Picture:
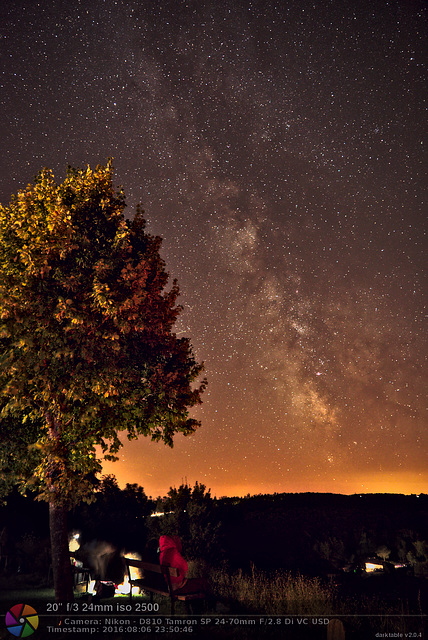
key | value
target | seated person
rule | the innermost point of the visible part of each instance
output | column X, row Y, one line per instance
column 170, row 555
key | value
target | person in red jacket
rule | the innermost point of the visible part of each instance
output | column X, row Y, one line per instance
column 170, row 555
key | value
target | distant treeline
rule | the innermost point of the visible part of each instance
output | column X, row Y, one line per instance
column 317, row 532
column 309, row 532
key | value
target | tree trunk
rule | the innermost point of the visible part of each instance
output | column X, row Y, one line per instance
column 61, row 566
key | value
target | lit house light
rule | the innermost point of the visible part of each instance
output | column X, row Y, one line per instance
column 373, row 566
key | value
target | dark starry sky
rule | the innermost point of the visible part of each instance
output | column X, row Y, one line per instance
column 278, row 148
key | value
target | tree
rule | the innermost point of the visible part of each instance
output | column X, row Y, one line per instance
column 192, row 514
column 115, row 515
column 87, row 348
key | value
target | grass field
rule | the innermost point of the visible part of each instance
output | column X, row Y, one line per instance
column 243, row 605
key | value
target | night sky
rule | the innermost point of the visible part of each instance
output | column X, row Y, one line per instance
column 278, row 148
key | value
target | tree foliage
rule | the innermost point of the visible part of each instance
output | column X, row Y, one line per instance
column 87, row 348
column 190, row 513
column 117, row 515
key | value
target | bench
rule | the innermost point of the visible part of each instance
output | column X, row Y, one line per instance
column 155, row 577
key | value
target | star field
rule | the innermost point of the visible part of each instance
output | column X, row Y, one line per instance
column 278, row 148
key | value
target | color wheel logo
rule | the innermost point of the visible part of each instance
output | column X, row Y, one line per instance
column 22, row 620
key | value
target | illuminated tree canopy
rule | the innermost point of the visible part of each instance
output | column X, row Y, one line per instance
column 87, row 348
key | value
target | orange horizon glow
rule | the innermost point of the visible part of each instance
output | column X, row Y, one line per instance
column 401, row 482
